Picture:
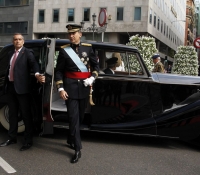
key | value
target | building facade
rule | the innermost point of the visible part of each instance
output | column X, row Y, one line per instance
column 15, row 16
column 197, row 5
column 161, row 19
column 190, row 25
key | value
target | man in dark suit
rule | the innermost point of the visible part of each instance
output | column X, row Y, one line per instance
column 18, row 90
column 78, row 64
column 169, row 69
column 111, row 65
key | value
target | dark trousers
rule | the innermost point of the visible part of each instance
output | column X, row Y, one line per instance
column 19, row 103
column 76, row 110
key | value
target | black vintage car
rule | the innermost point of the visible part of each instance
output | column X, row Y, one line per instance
column 133, row 101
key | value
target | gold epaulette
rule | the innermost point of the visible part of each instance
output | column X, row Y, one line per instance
column 59, row 82
column 86, row 44
column 64, row 46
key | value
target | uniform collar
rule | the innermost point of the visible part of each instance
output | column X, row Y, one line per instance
column 75, row 45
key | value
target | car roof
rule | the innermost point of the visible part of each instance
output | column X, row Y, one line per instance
column 61, row 42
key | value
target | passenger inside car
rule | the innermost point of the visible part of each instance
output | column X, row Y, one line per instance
column 111, row 65
column 120, row 62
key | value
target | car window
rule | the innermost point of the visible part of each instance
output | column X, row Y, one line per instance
column 56, row 57
column 39, row 53
column 128, row 62
column 134, row 64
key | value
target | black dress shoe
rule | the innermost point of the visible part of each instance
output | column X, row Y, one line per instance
column 76, row 156
column 25, row 146
column 8, row 142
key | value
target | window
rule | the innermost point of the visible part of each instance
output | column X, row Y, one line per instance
column 161, row 27
column 24, row 2
column 158, row 25
column 167, row 31
column 130, row 64
column 165, row 8
column 176, row 39
column 2, row 3
column 6, row 3
column 1, row 28
column 159, row 3
column 135, row 67
column 154, row 24
column 162, row 5
column 14, row 27
column 41, row 16
column 150, row 16
column 137, row 13
column 55, row 15
column 86, row 14
column 70, row 14
column 120, row 11
column 164, row 28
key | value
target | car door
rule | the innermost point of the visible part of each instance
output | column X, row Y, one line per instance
column 48, row 67
column 122, row 100
column 4, row 61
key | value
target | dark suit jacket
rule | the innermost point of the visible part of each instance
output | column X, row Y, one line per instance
column 74, row 86
column 23, row 65
column 108, row 71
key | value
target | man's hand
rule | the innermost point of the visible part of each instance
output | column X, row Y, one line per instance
column 63, row 94
column 40, row 78
column 88, row 81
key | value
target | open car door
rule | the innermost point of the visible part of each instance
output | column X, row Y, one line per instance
column 48, row 63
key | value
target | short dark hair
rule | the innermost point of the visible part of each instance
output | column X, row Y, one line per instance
column 18, row 34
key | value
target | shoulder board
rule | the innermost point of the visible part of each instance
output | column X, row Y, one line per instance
column 86, row 44
column 64, row 46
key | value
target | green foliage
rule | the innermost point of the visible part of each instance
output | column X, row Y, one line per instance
column 185, row 61
column 146, row 47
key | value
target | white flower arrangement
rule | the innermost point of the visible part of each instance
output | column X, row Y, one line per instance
column 185, row 61
column 146, row 47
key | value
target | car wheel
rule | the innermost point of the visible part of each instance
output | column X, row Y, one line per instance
column 4, row 118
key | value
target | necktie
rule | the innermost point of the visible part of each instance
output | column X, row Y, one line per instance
column 12, row 65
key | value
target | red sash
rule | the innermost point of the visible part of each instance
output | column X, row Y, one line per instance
column 77, row 75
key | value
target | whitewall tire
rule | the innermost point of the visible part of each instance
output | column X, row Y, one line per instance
column 4, row 118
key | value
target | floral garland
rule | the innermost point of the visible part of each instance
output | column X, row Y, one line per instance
column 146, row 47
column 185, row 61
